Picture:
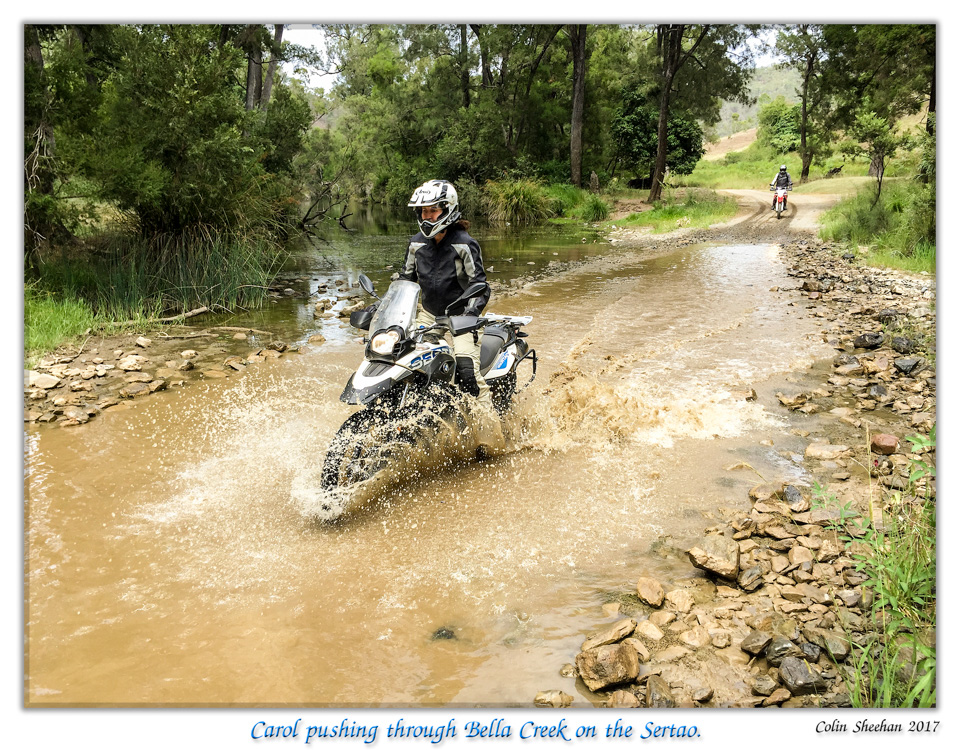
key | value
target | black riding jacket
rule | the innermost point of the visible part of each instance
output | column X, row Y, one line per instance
column 443, row 270
column 782, row 180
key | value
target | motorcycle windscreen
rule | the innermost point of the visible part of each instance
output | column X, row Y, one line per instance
column 398, row 307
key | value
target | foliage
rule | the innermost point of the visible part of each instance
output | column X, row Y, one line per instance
column 50, row 319
column 698, row 208
column 779, row 125
column 594, row 208
column 896, row 665
column 634, row 129
column 516, row 202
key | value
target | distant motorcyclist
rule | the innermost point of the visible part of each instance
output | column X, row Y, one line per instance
column 782, row 180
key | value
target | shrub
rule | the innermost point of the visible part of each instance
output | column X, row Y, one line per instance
column 516, row 202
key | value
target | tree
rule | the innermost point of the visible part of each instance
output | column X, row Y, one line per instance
column 876, row 139
column 635, row 131
column 778, row 125
column 722, row 64
column 803, row 47
column 578, row 51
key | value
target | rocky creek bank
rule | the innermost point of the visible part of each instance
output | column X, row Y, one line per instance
column 774, row 602
column 73, row 385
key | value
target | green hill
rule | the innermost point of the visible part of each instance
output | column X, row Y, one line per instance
column 772, row 81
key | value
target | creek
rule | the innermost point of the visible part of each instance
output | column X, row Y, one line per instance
column 173, row 556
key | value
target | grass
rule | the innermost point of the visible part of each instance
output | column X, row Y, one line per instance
column 51, row 320
column 124, row 277
column 895, row 664
column 516, row 202
column 898, row 229
column 698, row 208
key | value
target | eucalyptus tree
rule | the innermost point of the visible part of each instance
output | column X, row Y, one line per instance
column 703, row 63
column 803, row 48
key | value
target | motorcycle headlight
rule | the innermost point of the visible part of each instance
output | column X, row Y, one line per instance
column 384, row 342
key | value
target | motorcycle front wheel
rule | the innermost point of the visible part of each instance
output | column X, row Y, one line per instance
column 366, row 444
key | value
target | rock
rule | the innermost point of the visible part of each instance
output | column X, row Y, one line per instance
column 555, row 699
column 886, row 316
column 642, row 653
column 799, row 555
column 825, row 452
column 906, row 365
column 622, row 699
column 143, row 342
column 755, row 642
column 135, row 389
column 317, row 338
column 800, row 677
column 779, row 649
column 650, row 591
column 902, row 345
column 137, row 377
column 189, row 354
column 239, row 337
column 132, row 362
column 662, row 619
column 606, row 666
column 648, row 630
column 792, row 401
column 795, row 500
column 751, row 579
column 763, row 685
column 76, row 414
column 810, row 285
column 811, row 652
column 659, row 694
column 696, row 637
column 884, row 444
column 277, row 346
column 682, row 600
column 764, row 492
column 703, row 695
column 568, row 670
column 777, row 697
column 717, row 554
column 157, row 385
column 41, row 380
column 868, row 340
column 613, row 634
column 185, row 365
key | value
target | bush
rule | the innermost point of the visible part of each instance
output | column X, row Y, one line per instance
column 516, row 202
column 594, row 208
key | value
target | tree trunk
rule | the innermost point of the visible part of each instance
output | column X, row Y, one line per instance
column 486, row 77
column 805, row 156
column 464, row 67
column 578, row 45
column 672, row 56
column 272, row 67
column 39, row 144
column 251, row 46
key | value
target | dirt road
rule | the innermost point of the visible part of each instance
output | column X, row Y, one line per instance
column 803, row 210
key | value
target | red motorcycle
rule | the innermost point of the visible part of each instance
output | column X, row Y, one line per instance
column 781, row 203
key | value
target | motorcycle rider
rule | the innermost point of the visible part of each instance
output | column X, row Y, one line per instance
column 444, row 260
column 782, row 179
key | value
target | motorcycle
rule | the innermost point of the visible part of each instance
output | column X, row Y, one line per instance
column 781, row 203
column 407, row 386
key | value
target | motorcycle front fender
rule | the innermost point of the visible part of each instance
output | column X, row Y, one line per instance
column 364, row 396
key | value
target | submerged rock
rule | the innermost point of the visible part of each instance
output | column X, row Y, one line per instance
column 552, row 699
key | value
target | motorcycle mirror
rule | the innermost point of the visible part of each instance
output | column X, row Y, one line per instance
column 367, row 285
column 473, row 290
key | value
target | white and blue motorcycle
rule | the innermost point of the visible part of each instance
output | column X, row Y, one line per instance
column 407, row 386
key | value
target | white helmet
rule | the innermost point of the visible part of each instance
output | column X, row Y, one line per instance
column 435, row 193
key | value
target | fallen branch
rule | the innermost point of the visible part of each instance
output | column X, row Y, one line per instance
column 239, row 328
column 171, row 319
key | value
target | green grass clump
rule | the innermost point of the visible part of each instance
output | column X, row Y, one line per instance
column 593, row 208
column 895, row 663
column 899, row 229
column 699, row 208
column 50, row 320
column 516, row 202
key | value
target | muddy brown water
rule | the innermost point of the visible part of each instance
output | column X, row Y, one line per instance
column 173, row 555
